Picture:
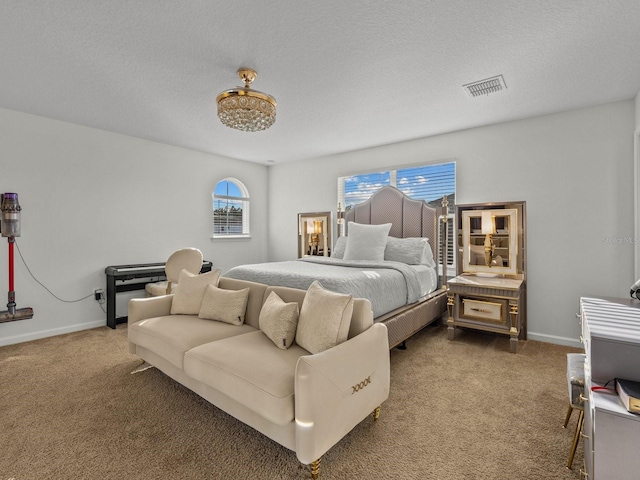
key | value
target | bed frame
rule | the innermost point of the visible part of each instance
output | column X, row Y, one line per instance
column 408, row 218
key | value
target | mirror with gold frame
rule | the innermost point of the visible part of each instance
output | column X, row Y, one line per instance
column 314, row 234
column 490, row 241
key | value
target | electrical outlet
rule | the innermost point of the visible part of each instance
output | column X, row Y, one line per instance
column 98, row 294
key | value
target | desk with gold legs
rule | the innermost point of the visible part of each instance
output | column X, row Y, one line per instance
column 493, row 304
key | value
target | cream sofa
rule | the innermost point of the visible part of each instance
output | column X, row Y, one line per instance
column 306, row 402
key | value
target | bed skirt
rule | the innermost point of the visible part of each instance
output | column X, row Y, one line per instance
column 405, row 321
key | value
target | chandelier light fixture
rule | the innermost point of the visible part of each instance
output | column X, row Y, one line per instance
column 245, row 109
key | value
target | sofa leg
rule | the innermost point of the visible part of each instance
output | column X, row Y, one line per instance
column 376, row 413
column 315, row 469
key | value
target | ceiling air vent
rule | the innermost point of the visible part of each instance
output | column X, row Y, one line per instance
column 485, row 87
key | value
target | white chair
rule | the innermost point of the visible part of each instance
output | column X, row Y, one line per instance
column 188, row 258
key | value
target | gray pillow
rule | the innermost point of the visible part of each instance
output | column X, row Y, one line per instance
column 278, row 320
column 412, row 251
column 338, row 248
column 366, row 242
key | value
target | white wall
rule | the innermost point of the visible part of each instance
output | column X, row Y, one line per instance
column 636, row 153
column 91, row 198
column 574, row 170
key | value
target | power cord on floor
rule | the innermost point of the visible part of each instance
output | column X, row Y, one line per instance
column 102, row 296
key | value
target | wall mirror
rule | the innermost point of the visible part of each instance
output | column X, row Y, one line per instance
column 490, row 241
column 314, row 234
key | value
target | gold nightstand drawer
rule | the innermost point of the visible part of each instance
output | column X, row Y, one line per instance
column 483, row 310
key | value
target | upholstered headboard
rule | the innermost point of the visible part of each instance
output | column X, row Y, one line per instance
column 408, row 217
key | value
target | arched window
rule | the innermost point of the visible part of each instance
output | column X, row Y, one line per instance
column 230, row 209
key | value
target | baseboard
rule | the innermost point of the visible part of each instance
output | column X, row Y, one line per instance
column 566, row 341
column 27, row 337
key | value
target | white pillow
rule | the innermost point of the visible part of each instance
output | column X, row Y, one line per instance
column 366, row 242
column 190, row 290
column 338, row 248
column 228, row 306
column 427, row 256
column 278, row 320
column 325, row 318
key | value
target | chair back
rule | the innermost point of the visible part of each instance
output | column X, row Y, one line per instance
column 188, row 258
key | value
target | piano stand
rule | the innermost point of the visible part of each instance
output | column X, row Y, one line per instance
column 119, row 279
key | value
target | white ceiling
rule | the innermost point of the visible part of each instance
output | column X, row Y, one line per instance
column 346, row 74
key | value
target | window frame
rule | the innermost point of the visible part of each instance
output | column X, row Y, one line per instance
column 393, row 175
column 244, row 200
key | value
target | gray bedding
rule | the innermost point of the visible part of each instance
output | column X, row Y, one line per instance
column 388, row 285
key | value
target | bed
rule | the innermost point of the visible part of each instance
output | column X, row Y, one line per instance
column 402, row 285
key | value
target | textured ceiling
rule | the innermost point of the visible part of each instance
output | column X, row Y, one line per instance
column 346, row 75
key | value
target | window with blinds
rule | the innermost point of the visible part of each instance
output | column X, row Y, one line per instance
column 426, row 182
column 230, row 209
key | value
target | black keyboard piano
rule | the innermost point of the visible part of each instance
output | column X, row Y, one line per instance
column 126, row 278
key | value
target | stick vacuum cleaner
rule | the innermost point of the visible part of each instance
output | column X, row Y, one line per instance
column 10, row 228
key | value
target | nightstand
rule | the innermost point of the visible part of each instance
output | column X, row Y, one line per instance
column 492, row 304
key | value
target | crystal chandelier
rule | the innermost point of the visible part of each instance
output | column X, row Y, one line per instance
column 245, row 109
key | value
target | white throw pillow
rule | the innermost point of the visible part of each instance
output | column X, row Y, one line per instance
column 366, row 242
column 228, row 306
column 324, row 320
column 278, row 320
column 190, row 290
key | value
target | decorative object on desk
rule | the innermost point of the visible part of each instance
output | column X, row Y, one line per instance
column 189, row 259
column 10, row 226
column 245, row 109
column 629, row 393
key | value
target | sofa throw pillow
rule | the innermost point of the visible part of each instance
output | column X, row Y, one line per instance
column 278, row 320
column 227, row 306
column 338, row 248
column 412, row 251
column 190, row 290
column 366, row 242
column 325, row 318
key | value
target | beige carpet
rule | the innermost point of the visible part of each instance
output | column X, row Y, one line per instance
column 467, row 409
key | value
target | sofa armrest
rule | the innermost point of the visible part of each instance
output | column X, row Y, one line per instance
column 149, row 307
column 336, row 389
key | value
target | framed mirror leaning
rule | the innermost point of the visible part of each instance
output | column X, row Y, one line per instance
column 490, row 241
column 314, row 234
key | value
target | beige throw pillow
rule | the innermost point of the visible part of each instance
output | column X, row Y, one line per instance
column 227, row 306
column 324, row 320
column 278, row 320
column 190, row 290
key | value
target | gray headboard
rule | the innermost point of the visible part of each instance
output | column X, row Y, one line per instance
column 409, row 217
